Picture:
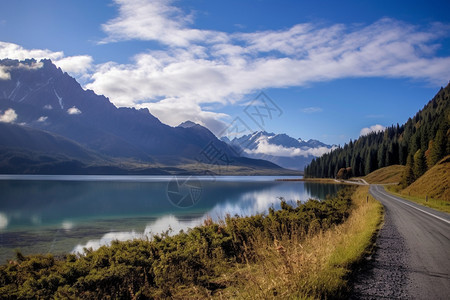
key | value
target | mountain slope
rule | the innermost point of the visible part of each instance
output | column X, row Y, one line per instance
column 21, row 137
column 28, row 150
column 25, row 150
column 280, row 149
column 45, row 98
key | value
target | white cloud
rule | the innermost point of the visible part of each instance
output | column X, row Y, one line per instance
column 73, row 111
column 175, row 111
column 8, row 116
column 42, row 119
column 14, row 51
column 373, row 128
column 48, row 107
column 311, row 110
column 155, row 20
column 74, row 65
column 264, row 147
column 4, row 70
column 4, row 75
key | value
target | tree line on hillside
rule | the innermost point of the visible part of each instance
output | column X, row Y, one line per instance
column 419, row 144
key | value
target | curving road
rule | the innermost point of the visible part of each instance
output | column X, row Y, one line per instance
column 412, row 260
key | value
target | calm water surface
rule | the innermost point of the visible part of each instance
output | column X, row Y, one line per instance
column 60, row 214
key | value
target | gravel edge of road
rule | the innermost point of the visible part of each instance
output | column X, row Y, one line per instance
column 383, row 274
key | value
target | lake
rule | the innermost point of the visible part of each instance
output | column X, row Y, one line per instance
column 60, row 214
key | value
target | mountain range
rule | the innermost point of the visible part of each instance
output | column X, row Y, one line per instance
column 280, row 149
column 51, row 125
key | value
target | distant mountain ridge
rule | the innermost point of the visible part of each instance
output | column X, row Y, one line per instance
column 280, row 149
column 44, row 98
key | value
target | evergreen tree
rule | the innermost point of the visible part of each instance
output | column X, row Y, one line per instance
column 438, row 149
column 382, row 156
column 420, row 166
column 408, row 174
column 430, row 162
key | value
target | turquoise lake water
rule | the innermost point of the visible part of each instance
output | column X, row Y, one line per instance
column 60, row 214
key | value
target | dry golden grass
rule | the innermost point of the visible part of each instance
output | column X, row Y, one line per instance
column 435, row 182
column 432, row 189
column 386, row 175
column 309, row 266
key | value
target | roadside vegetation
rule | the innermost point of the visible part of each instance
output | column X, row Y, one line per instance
column 315, row 266
column 306, row 251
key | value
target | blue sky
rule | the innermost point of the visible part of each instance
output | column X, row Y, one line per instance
column 332, row 67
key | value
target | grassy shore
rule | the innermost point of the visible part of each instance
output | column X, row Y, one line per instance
column 306, row 251
column 315, row 180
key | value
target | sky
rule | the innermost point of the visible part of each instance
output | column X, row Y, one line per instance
column 326, row 70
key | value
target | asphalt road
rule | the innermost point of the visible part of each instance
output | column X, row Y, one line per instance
column 412, row 260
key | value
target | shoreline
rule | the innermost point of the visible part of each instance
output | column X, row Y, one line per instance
column 317, row 180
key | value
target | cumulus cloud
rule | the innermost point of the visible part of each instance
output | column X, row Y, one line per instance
column 156, row 20
column 373, row 128
column 175, row 111
column 4, row 75
column 9, row 116
column 74, row 65
column 311, row 110
column 264, row 147
column 73, row 111
column 14, row 51
column 42, row 119
column 4, row 70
